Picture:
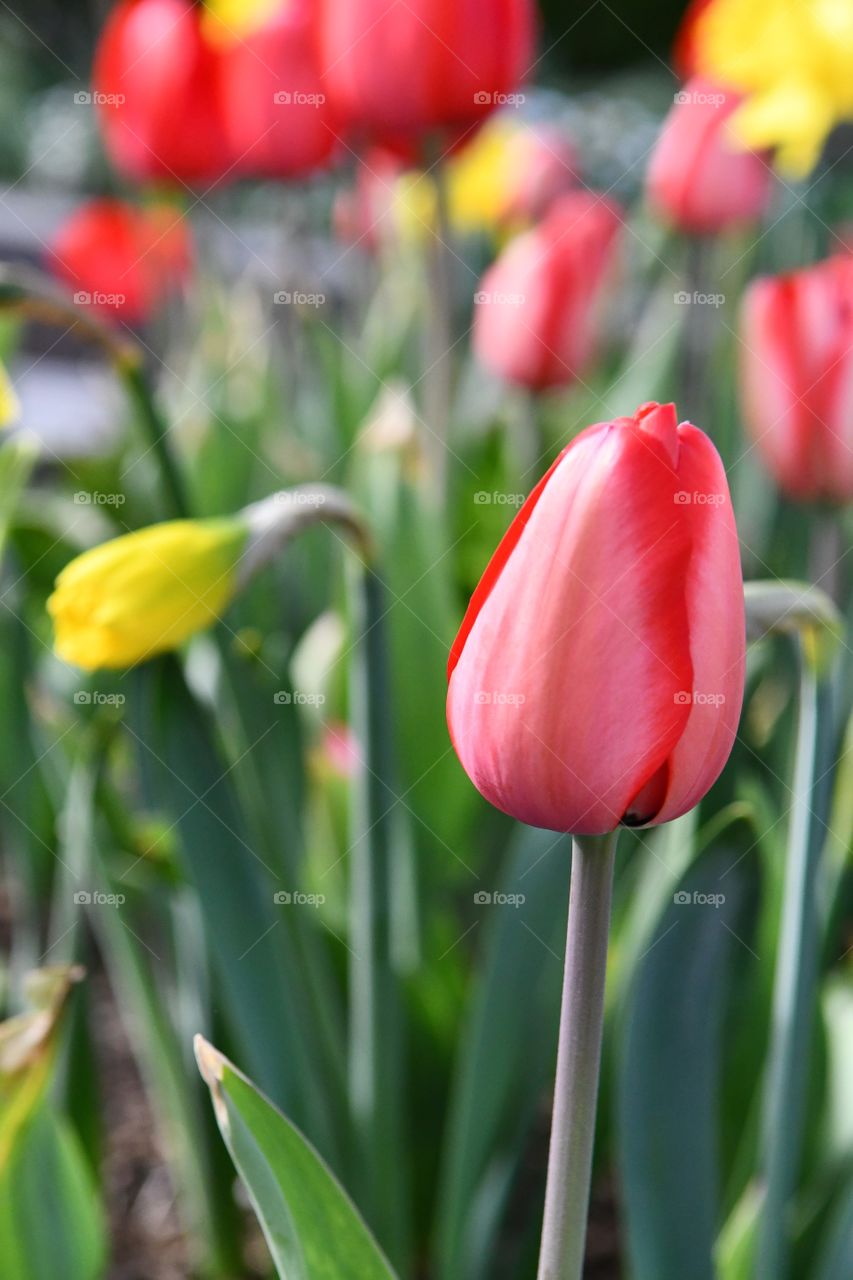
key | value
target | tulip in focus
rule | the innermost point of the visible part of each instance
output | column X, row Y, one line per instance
column 699, row 178
column 393, row 69
column 597, row 678
column 537, row 312
column 146, row 592
column 122, row 260
column 797, row 377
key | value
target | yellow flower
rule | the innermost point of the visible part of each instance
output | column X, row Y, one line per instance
column 793, row 59
column 146, row 592
column 227, row 21
column 10, row 409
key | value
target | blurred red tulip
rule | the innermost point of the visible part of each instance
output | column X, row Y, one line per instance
column 598, row 675
column 277, row 119
column 797, row 377
column 697, row 179
column 184, row 98
column 156, row 82
column 391, row 69
column 536, row 314
column 120, row 260
column 547, row 167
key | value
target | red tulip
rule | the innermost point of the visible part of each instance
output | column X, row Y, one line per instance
column 698, row 180
column 120, row 260
column 392, row 68
column 277, row 119
column 536, row 319
column 597, row 678
column 797, row 377
column 156, row 81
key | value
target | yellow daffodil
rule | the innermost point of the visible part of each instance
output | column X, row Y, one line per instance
column 228, row 20
column 146, row 592
column 10, row 409
column 793, row 60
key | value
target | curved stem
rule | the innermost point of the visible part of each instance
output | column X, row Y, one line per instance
column 578, row 1059
column 156, row 432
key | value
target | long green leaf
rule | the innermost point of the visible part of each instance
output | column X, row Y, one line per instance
column 311, row 1226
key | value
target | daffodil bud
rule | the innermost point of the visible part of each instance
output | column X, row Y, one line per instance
column 147, row 592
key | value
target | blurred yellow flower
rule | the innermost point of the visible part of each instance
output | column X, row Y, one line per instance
column 501, row 179
column 146, row 592
column 793, row 59
column 10, row 409
column 229, row 20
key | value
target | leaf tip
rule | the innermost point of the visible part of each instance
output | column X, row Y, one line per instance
column 211, row 1064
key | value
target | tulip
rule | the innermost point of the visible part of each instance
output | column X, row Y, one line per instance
column 537, row 318
column 276, row 119
column 146, row 592
column 797, row 377
column 156, row 78
column 597, row 678
column 394, row 69
column 699, row 179
column 121, row 260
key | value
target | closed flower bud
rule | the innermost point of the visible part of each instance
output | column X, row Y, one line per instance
column 146, row 592
column 393, row 69
column 700, row 178
column 797, row 377
column 537, row 309
column 598, row 675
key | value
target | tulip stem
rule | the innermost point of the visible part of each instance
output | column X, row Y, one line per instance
column 578, row 1059
column 794, row 990
column 438, row 383
column 156, row 431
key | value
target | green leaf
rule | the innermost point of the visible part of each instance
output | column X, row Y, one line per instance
column 668, row 1081
column 51, row 1222
column 313, row 1230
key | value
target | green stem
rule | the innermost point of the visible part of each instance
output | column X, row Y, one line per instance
column 578, row 1059
column 156, row 431
column 794, row 991
column 438, row 378
column 375, row 1048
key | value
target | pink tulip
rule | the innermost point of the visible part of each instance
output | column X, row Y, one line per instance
column 698, row 180
column 797, row 377
column 393, row 68
column 597, row 678
column 537, row 314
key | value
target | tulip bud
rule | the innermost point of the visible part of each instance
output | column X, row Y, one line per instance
column 120, row 260
column 156, row 80
column 147, row 592
column 536, row 320
column 797, row 377
column 397, row 69
column 699, row 179
column 597, row 678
